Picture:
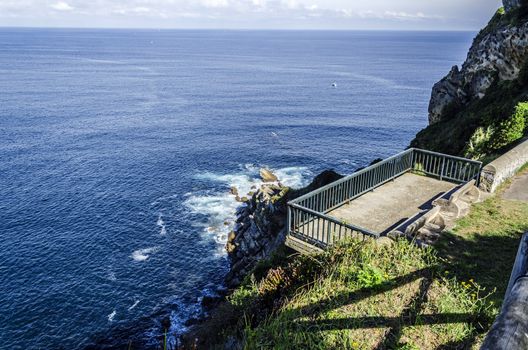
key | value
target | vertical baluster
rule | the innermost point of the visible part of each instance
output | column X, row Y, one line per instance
column 311, row 223
column 328, row 233
column 302, row 226
column 288, row 219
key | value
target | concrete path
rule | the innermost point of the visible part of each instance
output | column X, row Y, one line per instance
column 392, row 203
column 518, row 189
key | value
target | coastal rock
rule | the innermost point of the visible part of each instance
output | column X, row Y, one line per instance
column 499, row 52
column 510, row 5
column 261, row 225
column 267, row 176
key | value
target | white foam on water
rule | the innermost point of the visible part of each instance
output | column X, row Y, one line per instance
column 161, row 225
column 220, row 207
column 112, row 276
column 111, row 316
column 295, row 177
column 143, row 254
column 134, row 305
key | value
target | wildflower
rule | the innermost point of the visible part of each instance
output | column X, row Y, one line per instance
column 446, row 272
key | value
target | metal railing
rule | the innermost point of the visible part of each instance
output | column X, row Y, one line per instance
column 445, row 167
column 307, row 215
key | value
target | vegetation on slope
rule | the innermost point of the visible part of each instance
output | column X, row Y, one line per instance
column 373, row 296
column 493, row 116
column 360, row 295
column 471, row 129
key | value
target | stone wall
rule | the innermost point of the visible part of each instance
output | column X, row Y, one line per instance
column 504, row 167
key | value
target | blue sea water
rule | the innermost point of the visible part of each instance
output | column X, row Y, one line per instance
column 118, row 148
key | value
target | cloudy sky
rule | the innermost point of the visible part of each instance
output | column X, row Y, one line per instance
column 251, row 14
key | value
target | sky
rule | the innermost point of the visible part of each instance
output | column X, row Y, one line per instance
column 250, row 14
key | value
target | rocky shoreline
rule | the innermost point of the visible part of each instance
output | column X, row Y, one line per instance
column 260, row 230
column 261, row 223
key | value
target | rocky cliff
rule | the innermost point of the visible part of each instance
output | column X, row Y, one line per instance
column 510, row 5
column 261, row 224
column 496, row 61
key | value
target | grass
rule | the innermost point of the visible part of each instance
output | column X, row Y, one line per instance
column 483, row 245
column 361, row 295
column 365, row 301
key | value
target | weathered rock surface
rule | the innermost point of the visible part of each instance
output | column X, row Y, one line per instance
column 261, row 225
column 267, row 176
column 510, row 5
column 499, row 53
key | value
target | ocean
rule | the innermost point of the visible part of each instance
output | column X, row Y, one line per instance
column 119, row 147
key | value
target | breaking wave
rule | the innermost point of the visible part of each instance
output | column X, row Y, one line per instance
column 143, row 254
column 218, row 208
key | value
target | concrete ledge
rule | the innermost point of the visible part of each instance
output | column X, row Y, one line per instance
column 504, row 167
column 462, row 191
column 302, row 246
column 428, row 217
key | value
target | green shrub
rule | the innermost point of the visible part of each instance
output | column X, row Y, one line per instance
column 369, row 276
column 511, row 129
column 478, row 143
column 522, row 111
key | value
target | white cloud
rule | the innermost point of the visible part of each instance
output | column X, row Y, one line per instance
column 133, row 10
column 215, row 3
column 401, row 15
column 61, row 6
column 340, row 14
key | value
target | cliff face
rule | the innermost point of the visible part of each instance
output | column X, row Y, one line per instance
column 261, row 225
column 510, row 5
column 499, row 52
column 477, row 97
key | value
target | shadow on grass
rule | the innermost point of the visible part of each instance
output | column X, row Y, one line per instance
column 487, row 260
column 350, row 297
column 410, row 315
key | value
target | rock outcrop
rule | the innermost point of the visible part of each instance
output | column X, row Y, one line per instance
column 267, row 176
column 510, row 5
column 261, row 225
column 499, row 52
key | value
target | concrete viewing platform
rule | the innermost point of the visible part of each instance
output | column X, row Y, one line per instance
column 402, row 194
column 391, row 204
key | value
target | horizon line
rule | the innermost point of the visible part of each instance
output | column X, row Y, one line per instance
column 242, row 29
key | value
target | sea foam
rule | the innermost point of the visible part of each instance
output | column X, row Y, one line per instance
column 219, row 207
column 143, row 254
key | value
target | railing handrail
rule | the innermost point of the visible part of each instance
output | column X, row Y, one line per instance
column 447, row 156
column 346, row 178
column 335, row 221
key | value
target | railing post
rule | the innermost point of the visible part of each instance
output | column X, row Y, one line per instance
column 289, row 219
column 443, row 166
column 478, row 175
